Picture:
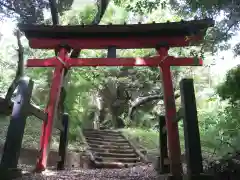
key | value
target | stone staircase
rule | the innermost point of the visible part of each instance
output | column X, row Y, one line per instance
column 110, row 149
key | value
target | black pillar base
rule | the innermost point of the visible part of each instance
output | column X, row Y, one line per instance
column 60, row 166
column 62, row 151
column 198, row 177
column 186, row 177
column 161, row 169
column 169, row 177
column 9, row 174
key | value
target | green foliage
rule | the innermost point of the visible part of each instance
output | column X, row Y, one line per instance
column 226, row 13
column 230, row 89
column 148, row 139
column 217, row 38
column 223, row 135
column 79, row 16
column 141, row 7
column 143, row 119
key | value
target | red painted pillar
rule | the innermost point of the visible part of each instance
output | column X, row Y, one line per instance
column 170, row 113
column 47, row 126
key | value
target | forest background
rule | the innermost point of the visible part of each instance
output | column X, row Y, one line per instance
column 94, row 92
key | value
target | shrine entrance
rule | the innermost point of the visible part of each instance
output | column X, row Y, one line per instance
column 161, row 36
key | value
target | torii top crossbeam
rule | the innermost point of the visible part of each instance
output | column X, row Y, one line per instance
column 174, row 34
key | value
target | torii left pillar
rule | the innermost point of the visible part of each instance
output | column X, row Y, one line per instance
column 51, row 109
column 170, row 111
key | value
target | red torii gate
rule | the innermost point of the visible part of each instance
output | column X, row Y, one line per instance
column 160, row 36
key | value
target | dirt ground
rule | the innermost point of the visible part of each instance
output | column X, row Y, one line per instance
column 146, row 172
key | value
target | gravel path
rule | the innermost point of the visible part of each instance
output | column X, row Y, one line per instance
column 145, row 172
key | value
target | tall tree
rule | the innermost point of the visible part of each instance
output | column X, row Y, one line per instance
column 102, row 6
column 225, row 12
column 27, row 11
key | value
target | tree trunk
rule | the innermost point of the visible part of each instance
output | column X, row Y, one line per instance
column 116, row 112
column 20, row 69
column 145, row 100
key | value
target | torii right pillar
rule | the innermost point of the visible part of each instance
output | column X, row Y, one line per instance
column 170, row 107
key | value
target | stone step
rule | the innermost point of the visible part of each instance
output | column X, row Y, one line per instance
column 99, row 135
column 105, row 146
column 110, row 138
column 115, row 159
column 106, row 139
column 118, row 155
column 103, row 136
column 102, row 131
column 108, row 143
column 112, row 150
column 113, row 165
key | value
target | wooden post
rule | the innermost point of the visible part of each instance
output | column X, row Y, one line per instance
column 63, row 142
column 191, row 130
column 16, row 127
column 163, row 146
column 112, row 53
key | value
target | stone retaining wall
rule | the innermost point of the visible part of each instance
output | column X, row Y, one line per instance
column 73, row 159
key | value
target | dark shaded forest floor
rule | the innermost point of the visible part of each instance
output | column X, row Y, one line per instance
column 146, row 172
column 225, row 170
